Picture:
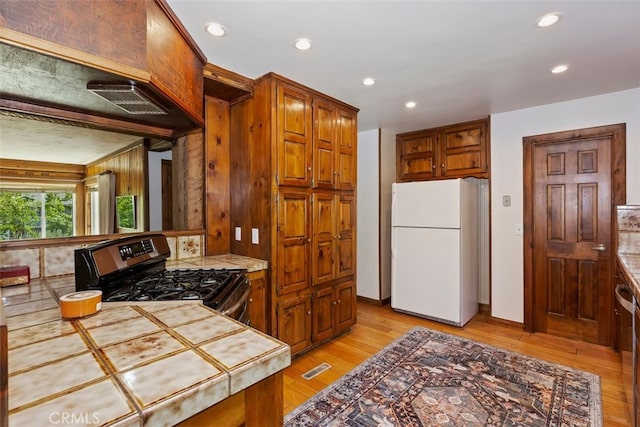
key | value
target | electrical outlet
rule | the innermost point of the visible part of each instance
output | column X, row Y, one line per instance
column 238, row 234
column 255, row 236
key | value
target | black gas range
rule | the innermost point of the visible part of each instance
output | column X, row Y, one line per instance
column 134, row 269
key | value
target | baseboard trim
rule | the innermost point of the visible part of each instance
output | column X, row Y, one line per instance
column 372, row 301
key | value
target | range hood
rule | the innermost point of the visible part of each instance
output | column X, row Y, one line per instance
column 128, row 97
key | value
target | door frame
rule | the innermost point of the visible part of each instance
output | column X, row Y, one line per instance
column 617, row 133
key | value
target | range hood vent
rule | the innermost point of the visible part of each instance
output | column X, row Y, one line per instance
column 128, row 97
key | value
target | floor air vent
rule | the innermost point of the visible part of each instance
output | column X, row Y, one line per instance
column 316, row 371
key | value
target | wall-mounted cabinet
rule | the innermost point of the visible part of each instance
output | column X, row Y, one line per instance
column 456, row 151
column 293, row 178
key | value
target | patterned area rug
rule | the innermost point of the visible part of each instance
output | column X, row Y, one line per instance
column 428, row 378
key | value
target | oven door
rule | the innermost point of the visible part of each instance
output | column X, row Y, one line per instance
column 624, row 312
column 235, row 305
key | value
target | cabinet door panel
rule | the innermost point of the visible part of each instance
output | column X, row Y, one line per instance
column 323, row 259
column 347, row 137
column 464, row 149
column 293, row 137
column 322, row 305
column 416, row 155
column 257, row 301
column 346, row 221
column 345, row 305
column 293, row 242
column 294, row 322
column 460, row 163
column 463, row 137
column 324, row 219
column 324, row 144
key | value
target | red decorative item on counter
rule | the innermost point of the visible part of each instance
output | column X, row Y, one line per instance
column 15, row 275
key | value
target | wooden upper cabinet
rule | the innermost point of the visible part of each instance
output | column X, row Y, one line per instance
column 324, row 144
column 347, row 137
column 455, row 151
column 334, row 142
column 464, row 149
column 294, row 144
column 416, row 155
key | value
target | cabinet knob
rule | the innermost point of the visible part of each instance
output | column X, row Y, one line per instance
column 442, row 166
column 309, row 240
column 309, row 168
column 309, row 313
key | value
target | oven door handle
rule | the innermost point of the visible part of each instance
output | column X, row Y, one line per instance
column 625, row 303
column 241, row 300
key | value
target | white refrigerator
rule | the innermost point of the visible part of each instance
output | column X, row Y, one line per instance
column 434, row 249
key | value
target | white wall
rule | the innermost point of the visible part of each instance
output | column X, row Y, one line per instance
column 368, row 271
column 507, row 131
column 155, row 188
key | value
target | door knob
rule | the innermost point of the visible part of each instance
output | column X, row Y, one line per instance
column 600, row 248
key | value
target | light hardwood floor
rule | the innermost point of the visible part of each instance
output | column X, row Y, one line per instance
column 379, row 326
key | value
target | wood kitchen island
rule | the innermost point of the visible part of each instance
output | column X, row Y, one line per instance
column 138, row 363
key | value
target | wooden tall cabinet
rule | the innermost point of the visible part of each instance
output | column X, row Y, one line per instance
column 293, row 180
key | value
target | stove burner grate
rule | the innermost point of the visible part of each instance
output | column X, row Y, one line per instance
column 180, row 284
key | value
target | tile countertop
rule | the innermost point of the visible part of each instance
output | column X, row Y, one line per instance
column 630, row 263
column 131, row 364
column 219, row 261
column 628, row 226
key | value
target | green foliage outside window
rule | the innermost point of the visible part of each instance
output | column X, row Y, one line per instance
column 21, row 215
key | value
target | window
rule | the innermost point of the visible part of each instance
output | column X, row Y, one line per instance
column 34, row 214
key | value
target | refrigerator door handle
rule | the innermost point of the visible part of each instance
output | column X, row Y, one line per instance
column 393, row 206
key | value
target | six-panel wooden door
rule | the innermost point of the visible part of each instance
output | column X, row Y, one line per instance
column 572, row 239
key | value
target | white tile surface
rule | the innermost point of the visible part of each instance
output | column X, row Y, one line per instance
column 122, row 331
column 52, row 379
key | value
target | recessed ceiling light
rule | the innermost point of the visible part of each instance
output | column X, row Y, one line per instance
column 368, row 81
column 559, row 69
column 548, row 20
column 411, row 104
column 216, row 29
column 302, row 44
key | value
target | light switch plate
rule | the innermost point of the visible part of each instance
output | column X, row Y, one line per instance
column 255, row 236
column 506, row 200
column 519, row 230
column 238, row 233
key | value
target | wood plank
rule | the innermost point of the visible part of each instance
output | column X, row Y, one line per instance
column 379, row 326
